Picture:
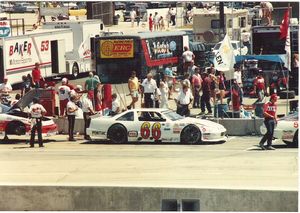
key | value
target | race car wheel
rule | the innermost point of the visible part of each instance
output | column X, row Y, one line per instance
column 190, row 134
column 295, row 139
column 15, row 128
column 117, row 134
column 75, row 70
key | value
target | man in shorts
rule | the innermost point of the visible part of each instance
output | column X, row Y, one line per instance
column 133, row 86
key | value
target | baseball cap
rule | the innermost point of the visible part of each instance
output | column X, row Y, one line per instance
column 64, row 80
column 273, row 96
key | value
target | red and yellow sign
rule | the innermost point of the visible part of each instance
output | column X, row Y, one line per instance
column 117, row 48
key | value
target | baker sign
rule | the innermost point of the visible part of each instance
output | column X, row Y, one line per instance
column 5, row 29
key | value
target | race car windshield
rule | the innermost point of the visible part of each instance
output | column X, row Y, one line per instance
column 291, row 117
column 173, row 116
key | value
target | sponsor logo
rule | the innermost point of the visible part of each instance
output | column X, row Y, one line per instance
column 132, row 133
column 117, row 48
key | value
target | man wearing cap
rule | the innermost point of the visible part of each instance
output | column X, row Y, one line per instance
column 148, row 89
column 270, row 116
column 36, row 112
column 63, row 94
column 87, row 108
column 259, row 86
column 90, row 85
column 37, row 76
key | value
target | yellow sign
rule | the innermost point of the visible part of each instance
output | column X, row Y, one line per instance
column 117, row 48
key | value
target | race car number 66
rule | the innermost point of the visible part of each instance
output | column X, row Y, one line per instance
column 155, row 130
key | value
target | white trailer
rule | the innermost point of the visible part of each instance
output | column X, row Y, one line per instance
column 81, row 58
column 18, row 54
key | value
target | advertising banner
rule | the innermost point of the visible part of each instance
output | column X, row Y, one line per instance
column 5, row 29
column 164, row 47
column 117, row 48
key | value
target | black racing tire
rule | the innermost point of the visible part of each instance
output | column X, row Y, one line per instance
column 191, row 134
column 15, row 128
column 117, row 133
column 295, row 139
column 75, row 70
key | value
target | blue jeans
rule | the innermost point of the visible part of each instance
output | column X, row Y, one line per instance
column 270, row 125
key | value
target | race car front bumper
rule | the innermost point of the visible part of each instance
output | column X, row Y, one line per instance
column 96, row 134
column 212, row 137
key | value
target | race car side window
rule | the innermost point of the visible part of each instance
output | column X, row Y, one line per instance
column 150, row 116
column 127, row 117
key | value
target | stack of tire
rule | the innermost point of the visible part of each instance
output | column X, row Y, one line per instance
column 286, row 94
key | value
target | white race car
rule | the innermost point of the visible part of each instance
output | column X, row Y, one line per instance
column 154, row 125
column 15, row 121
column 287, row 129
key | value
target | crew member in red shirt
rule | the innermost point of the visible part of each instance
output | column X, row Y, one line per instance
column 150, row 22
column 259, row 86
column 270, row 109
column 37, row 76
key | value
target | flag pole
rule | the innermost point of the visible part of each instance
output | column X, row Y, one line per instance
column 233, row 65
column 288, row 61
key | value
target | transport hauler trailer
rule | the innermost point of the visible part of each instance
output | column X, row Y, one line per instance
column 118, row 56
column 80, row 59
column 18, row 54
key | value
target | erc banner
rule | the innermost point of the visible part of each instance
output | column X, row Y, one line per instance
column 116, row 48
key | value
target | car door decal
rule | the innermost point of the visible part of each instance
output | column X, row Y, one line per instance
column 155, row 130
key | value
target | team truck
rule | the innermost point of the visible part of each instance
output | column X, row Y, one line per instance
column 18, row 54
column 80, row 59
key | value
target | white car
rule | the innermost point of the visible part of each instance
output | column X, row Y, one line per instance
column 287, row 129
column 238, row 49
column 154, row 125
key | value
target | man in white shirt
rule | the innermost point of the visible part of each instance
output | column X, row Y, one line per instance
column 132, row 17
column 245, row 36
column 188, row 58
column 115, row 105
column 149, row 86
column 63, row 95
column 71, row 112
column 87, row 109
column 238, row 76
column 5, row 87
column 156, row 21
column 36, row 112
column 183, row 101
column 173, row 16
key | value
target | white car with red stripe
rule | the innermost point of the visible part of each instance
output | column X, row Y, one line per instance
column 287, row 129
column 16, row 121
column 154, row 125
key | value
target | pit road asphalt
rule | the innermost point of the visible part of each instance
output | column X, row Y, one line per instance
column 236, row 164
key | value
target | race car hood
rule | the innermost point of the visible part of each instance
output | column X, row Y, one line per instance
column 27, row 98
column 204, row 122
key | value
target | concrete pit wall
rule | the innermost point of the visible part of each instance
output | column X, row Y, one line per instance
column 77, row 198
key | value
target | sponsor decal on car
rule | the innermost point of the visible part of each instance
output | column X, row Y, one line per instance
column 176, row 129
column 132, row 133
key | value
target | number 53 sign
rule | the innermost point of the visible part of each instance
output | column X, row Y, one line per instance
column 146, row 130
